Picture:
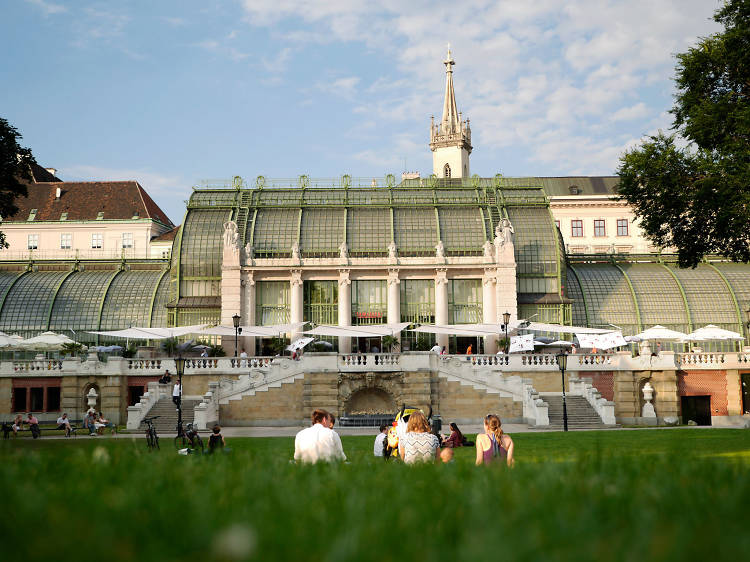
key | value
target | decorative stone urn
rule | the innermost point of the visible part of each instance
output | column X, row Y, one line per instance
column 91, row 397
column 648, row 395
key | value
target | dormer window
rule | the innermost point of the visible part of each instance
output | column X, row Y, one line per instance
column 136, row 215
column 574, row 190
column 64, row 216
column 100, row 215
column 32, row 215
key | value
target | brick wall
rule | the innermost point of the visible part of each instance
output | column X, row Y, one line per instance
column 702, row 383
column 604, row 382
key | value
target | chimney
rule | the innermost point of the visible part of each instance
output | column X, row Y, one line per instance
column 52, row 171
column 58, row 192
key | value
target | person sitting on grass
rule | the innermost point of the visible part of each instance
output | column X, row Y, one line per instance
column 318, row 442
column 379, row 449
column 456, row 438
column 64, row 423
column 216, row 440
column 494, row 445
column 17, row 425
column 418, row 444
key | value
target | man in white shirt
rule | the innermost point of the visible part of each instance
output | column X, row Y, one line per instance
column 318, row 442
column 64, row 423
column 378, row 447
column 436, row 349
column 243, row 358
column 176, row 394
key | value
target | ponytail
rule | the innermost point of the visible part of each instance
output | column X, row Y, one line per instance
column 493, row 423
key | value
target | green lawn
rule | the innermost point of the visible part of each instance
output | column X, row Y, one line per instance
column 680, row 494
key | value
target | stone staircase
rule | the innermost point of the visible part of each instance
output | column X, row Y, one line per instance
column 167, row 412
column 581, row 414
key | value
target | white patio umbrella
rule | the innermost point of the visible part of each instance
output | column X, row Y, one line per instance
column 298, row 344
column 712, row 333
column 660, row 333
column 9, row 341
column 46, row 341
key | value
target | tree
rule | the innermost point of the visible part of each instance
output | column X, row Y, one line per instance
column 695, row 195
column 15, row 166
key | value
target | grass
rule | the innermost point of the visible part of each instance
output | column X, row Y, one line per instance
column 623, row 495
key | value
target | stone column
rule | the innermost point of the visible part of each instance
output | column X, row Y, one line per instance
column 489, row 307
column 248, row 310
column 231, row 287
column 345, row 309
column 441, row 303
column 394, row 297
column 296, row 298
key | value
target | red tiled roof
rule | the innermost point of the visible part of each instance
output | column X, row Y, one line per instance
column 41, row 174
column 167, row 236
column 117, row 200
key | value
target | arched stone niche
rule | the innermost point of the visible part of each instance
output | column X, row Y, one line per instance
column 369, row 393
column 370, row 401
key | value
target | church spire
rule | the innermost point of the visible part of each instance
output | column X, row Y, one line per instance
column 450, row 140
column 450, row 123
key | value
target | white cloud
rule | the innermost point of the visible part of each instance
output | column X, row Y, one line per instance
column 564, row 79
column 48, row 8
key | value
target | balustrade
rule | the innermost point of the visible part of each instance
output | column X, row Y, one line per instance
column 38, row 365
column 145, row 364
column 369, row 360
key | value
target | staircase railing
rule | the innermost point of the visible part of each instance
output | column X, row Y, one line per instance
column 140, row 410
column 535, row 410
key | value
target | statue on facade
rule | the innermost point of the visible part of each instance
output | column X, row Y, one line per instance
column 487, row 249
column 231, row 234
column 249, row 251
column 392, row 251
column 344, row 251
column 440, row 250
column 295, row 251
column 504, row 241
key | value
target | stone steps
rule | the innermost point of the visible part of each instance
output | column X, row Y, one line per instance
column 581, row 414
column 167, row 413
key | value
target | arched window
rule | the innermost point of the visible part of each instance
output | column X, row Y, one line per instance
column 447, row 171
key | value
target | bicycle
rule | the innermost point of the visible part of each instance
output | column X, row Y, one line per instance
column 188, row 437
column 152, row 439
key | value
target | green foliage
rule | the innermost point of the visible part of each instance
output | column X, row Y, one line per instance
column 278, row 345
column 169, row 346
column 15, row 168
column 72, row 349
column 130, row 351
column 216, row 351
column 423, row 342
column 678, row 494
column 391, row 343
column 697, row 199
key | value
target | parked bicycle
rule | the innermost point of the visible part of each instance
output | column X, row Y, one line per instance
column 188, row 438
column 152, row 439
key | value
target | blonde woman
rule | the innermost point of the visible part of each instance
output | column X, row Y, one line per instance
column 418, row 445
column 494, row 445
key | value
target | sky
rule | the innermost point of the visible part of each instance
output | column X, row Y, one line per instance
column 172, row 93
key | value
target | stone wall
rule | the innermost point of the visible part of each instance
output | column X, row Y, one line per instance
column 6, row 397
column 464, row 404
column 274, row 407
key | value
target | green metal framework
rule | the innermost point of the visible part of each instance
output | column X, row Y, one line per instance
column 272, row 303
column 465, row 301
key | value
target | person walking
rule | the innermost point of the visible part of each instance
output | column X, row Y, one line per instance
column 177, row 394
column 494, row 445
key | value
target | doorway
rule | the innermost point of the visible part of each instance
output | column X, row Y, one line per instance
column 745, row 384
column 696, row 408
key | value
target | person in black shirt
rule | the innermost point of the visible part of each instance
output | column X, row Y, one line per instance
column 216, row 441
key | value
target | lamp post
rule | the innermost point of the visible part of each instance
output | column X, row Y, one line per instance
column 506, row 321
column 237, row 330
column 179, row 364
column 562, row 363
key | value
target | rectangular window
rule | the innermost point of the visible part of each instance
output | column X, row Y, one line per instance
column 622, row 227
column 127, row 239
column 599, row 227
column 272, row 302
column 53, row 398
column 465, row 301
column 19, row 399
column 97, row 240
column 369, row 302
column 33, row 241
column 576, row 228
column 66, row 241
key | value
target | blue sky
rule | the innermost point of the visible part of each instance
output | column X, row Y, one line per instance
column 171, row 93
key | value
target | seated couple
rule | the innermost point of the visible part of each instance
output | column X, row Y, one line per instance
column 319, row 442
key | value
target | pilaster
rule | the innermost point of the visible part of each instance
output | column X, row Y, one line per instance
column 441, row 303
column 489, row 307
column 296, row 297
column 394, row 297
column 345, row 309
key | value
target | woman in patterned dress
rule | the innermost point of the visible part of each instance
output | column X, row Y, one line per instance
column 418, row 445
